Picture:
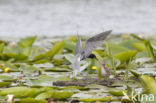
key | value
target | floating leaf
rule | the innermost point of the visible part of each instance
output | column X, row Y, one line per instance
column 30, row 100
column 54, row 69
column 125, row 56
column 148, row 84
column 102, row 99
column 7, row 78
column 28, row 69
column 116, row 48
column 61, row 94
column 1, row 47
column 128, row 43
column 150, row 51
column 17, row 91
column 58, row 46
column 116, row 93
column 41, row 81
column 43, row 96
column 139, row 46
column 27, row 42
column 4, row 84
column 50, row 53
column 69, row 45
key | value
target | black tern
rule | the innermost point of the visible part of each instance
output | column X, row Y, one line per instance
column 90, row 45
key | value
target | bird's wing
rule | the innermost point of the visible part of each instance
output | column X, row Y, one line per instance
column 95, row 41
column 78, row 48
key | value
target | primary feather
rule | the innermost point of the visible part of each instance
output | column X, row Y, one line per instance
column 95, row 42
column 78, row 48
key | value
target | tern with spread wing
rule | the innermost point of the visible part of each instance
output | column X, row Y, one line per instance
column 90, row 45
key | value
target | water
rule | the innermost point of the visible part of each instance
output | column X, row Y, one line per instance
column 67, row 17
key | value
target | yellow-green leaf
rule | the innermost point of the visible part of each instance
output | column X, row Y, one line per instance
column 125, row 56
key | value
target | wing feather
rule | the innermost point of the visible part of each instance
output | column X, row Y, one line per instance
column 78, row 48
column 95, row 42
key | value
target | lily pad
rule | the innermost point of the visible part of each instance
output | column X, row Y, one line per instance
column 7, row 78
column 102, row 99
column 125, row 56
column 4, row 84
column 18, row 92
column 30, row 100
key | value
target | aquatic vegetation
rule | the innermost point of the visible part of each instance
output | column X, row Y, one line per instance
column 123, row 71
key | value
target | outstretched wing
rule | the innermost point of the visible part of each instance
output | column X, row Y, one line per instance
column 78, row 48
column 95, row 41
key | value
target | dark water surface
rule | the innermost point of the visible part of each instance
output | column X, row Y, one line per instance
column 66, row 17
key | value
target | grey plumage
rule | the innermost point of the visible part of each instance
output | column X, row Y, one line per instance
column 90, row 45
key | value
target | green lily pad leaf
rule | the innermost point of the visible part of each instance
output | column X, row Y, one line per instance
column 125, row 56
column 16, row 52
column 69, row 45
column 54, row 69
column 139, row 46
column 128, row 43
column 27, row 42
column 1, row 47
column 28, row 69
column 40, row 90
column 148, row 84
column 102, row 99
column 35, row 51
column 43, row 96
column 41, row 81
column 116, row 93
column 30, row 100
column 7, row 78
column 61, row 94
column 16, row 56
column 55, row 49
column 41, row 61
column 4, row 84
column 116, row 48
column 17, row 91
column 50, row 53
column 39, row 57
column 56, row 95
column 135, row 74
column 150, row 51
column 45, row 80
column 63, row 78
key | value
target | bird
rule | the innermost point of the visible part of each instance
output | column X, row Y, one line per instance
column 90, row 44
